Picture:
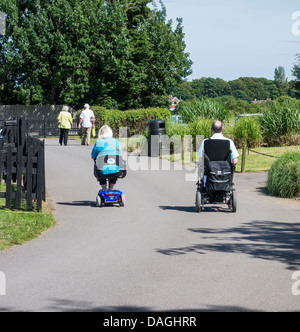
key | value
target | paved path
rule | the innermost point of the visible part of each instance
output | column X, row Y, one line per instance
column 156, row 253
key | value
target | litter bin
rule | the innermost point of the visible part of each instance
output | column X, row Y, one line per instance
column 157, row 137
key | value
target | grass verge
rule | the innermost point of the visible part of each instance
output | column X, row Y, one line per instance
column 256, row 162
column 20, row 226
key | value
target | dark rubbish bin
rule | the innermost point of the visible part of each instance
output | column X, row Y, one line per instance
column 157, row 138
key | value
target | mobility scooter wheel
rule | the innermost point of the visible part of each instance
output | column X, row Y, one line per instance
column 122, row 200
column 99, row 202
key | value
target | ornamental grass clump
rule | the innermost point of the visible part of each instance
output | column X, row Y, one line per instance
column 284, row 176
column 247, row 134
column 281, row 122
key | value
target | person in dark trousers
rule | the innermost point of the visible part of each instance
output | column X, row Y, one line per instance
column 86, row 124
column 64, row 123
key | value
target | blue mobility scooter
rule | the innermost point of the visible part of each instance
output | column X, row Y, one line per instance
column 215, row 184
column 110, row 168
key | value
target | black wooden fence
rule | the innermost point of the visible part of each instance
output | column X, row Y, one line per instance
column 48, row 127
column 22, row 165
column 41, row 120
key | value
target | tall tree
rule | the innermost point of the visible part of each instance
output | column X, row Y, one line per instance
column 280, row 80
column 296, row 74
column 117, row 53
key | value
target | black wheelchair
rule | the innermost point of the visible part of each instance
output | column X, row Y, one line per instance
column 215, row 184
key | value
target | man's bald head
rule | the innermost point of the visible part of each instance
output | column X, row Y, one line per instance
column 217, row 127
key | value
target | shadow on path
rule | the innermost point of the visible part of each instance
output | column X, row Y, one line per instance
column 78, row 203
column 261, row 239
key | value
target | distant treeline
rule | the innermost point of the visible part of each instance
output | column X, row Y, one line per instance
column 244, row 88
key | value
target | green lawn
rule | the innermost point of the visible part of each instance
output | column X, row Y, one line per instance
column 254, row 162
column 261, row 163
column 18, row 227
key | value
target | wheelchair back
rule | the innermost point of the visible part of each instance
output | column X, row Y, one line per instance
column 217, row 165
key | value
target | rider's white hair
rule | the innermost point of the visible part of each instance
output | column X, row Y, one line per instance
column 105, row 132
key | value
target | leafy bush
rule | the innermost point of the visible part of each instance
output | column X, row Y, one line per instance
column 176, row 129
column 200, row 127
column 204, row 108
column 284, row 176
column 136, row 121
column 247, row 132
column 281, row 121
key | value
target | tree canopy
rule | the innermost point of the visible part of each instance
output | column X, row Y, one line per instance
column 114, row 53
column 243, row 88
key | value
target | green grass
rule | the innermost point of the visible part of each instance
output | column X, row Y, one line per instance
column 254, row 162
column 20, row 226
column 260, row 163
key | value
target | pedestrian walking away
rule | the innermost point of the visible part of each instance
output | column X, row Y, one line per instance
column 64, row 123
column 86, row 123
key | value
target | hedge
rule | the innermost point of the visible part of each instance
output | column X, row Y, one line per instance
column 136, row 121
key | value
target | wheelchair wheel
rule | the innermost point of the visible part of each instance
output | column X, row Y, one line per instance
column 233, row 201
column 198, row 201
column 122, row 200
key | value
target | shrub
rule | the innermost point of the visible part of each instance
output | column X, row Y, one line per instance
column 176, row 129
column 204, row 108
column 284, row 176
column 136, row 121
column 281, row 121
column 200, row 127
column 247, row 132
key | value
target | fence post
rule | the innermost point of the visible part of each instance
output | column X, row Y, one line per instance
column 1, row 157
column 243, row 166
column 39, row 184
column 19, row 177
column 8, row 177
column 29, row 177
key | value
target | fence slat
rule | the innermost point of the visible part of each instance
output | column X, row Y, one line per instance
column 8, row 177
column 29, row 178
column 1, row 171
column 39, row 179
column 19, row 177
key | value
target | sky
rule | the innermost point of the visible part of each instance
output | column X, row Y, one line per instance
column 239, row 38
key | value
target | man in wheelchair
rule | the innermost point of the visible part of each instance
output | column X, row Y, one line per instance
column 218, row 157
